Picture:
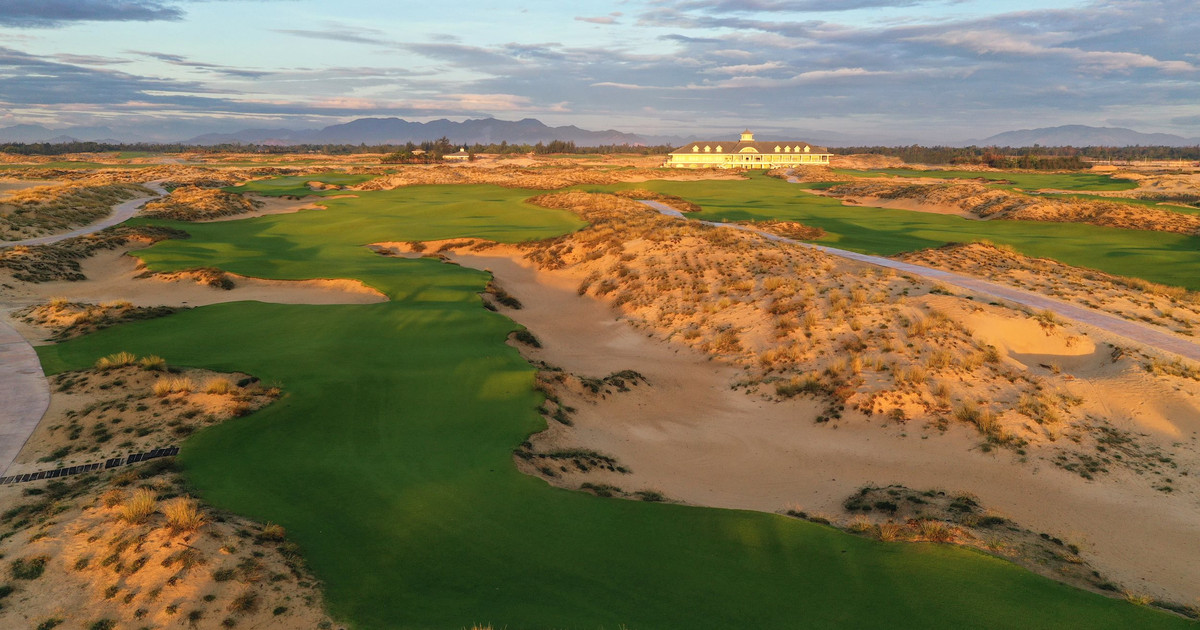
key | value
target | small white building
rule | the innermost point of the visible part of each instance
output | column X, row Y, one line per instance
column 461, row 156
column 747, row 153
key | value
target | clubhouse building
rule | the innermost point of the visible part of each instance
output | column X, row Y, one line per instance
column 747, row 153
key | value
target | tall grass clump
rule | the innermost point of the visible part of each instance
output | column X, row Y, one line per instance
column 153, row 363
column 140, row 507
column 218, row 385
column 164, row 387
column 935, row 531
column 120, row 359
column 183, row 515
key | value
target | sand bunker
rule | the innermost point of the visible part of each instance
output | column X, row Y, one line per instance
column 114, row 276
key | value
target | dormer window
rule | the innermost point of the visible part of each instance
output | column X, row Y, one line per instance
column 720, row 149
column 807, row 148
column 777, row 149
column 696, row 149
column 707, row 149
column 787, row 149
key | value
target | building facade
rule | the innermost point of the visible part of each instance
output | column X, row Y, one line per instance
column 747, row 153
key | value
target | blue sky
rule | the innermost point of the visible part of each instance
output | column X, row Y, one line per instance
column 889, row 70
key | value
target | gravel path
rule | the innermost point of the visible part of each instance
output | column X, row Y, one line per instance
column 1134, row 331
column 24, row 392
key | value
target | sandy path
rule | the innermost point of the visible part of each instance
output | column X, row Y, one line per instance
column 1140, row 333
column 692, row 437
column 121, row 213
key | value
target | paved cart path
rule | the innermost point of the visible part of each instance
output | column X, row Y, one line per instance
column 1134, row 331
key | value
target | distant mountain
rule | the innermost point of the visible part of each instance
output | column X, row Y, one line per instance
column 400, row 131
column 38, row 133
column 1084, row 136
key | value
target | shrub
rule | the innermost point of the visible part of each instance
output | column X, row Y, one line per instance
column 183, row 514
column 140, row 507
column 223, row 575
column 935, row 531
column 527, row 338
column 120, row 359
column 246, row 602
column 273, row 532
column 889, row 531
column 29, row 568
column 218, row 385
column 49, row 624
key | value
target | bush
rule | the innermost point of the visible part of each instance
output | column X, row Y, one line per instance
column 183, row 514
column 29, row 568
column 246, row 602
column 273, row 532
column 140, row 507
column 49, row 624
column 935, row 531
column 527, row 338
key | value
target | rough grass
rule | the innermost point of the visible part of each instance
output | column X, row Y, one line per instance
column 435, row 527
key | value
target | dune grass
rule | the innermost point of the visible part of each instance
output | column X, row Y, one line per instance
column 297, row 186
column 390, row 459
column 1024, row 181
column 1166, row 258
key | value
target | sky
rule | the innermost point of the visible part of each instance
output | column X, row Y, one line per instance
column 884, row 71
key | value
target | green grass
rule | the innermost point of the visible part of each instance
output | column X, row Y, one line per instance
column 1163, row 257
column 389, row 459
column 296, row 186
column 1025, row 181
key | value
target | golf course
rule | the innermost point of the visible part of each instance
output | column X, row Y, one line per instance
column 1166, row 258
column 389, row 458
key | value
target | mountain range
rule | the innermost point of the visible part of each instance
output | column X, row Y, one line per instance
column 1084, row 136
column 532, row 131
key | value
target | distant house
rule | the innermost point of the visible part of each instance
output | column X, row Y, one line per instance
column 747, row 153
column 461, row 156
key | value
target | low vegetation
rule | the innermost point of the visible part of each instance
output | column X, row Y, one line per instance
column 192, row 203
column 49, row 209
column 65, row 319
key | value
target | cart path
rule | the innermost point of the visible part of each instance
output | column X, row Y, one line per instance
column 121, row 213
column 24, row 391
column 1134, row 331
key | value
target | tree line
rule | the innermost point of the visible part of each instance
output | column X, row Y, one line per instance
column 1035, row 157
column 440, row 146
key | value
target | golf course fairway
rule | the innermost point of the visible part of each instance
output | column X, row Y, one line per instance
column 389, row 458
column 1163, row 257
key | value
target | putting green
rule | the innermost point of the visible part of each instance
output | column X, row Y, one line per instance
column 1163, row 257
column 297, row 185
column 389, row 459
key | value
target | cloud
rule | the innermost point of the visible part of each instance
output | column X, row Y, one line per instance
column 339, row 33
column 793, row 6
column 179, row 60
column 989, row 42
column 48, row 13
column 604, row 19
